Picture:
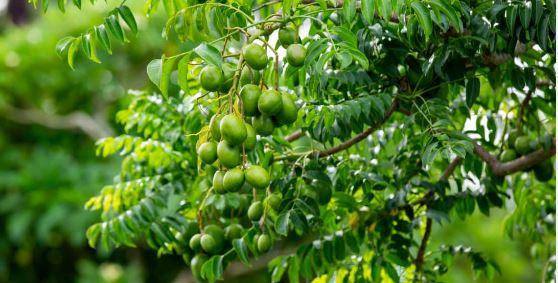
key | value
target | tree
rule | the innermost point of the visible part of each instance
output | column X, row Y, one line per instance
column 338, row 131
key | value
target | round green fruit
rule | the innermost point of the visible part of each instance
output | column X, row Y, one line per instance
column 255, row 211
column 233, row 180
column 214, row 124
column 296, row 54
column 233, row 231
column 508, row 155
column 264, row 243
column 523, row 145
column 250, row 94
column 215, row 231
column 257, row 177
column 211, row 78
column 209, row 244
column 512, row 136
column 196, row 265
column 263, row 125
column 289, row 111
column 249, row 76
column 274, row 201
column 255, row 56
column 195, row 242
column 208, row 152
column 287, row 36
column 218, row 186
column 233, row 129
column 544, row 171
column 228, row 73
column 270, row 102
column 228, row 155
column 250, row 142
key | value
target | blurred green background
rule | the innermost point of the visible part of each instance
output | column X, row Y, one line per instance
column 50, row 118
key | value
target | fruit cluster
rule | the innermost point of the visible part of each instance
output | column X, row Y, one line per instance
column 253, row 109
column 519, row 144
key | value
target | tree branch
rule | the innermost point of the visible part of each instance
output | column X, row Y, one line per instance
column 294, row 136
column 502, row 169
column 76, row 120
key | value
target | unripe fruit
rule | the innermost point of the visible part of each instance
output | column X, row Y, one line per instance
column 263, row 125
column 250, row 142
column 214, row 125
column 228, row 74
column 289, row 111
column 233, row 180
column 229, row 156
column 296, row 54
column 264, row 243
column 195, row 242
column 249, row 76
column 255, row 56
column 211, row 78
column 512, row 136
column 209, row 244
column 255, row 211
column 523, row 144
column 218, row 186
column 233, row 129
column 217, row 233
column 274, row 201
column 250, row 94
column 196, row 265
column 233, row 231
column 544, row 171
column 508, row 155
column 270, row 102
column 287, row 36
column 208, row 152
column 257, row 177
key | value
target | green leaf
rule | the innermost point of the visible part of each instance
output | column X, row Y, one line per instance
column 111, row 22
column 209, row 54
column 77, row 3
column 102, row 36
column 167, row 68
column 154, row 71
column 424, row 18
column 349, row 10
column 472, row 91
column 241, row 250
column 282, row 223
column 45, row 5
column 92, row 234
column 384, row 8
column 542, row 33
column 511, row 16
column 72, row 51
column 62, row 5
column 368, row 10
column 183, row 73
column 63, row 45
column 525, row 15
column 538, row 10
column 450, row 13
column 128, row 18
column 212, row 270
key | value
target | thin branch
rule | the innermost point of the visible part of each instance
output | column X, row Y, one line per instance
column 502, row 169
column 294, row 136
column 419, row 261
column 77, row 120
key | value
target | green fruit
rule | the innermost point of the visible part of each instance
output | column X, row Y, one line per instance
column 195, row 243
column 233, row 129
column 296, row 54
column 208, row 152
column 228, row 73
column 250, row 142
column 264, row 243
column 255, row 56
column 250, row 95
column 523, row 145
column 544, row 171
column 211, row 78
column 233, row 231
column 263, row 125
column 249, row 76
column 289, row 111
column 508, row 155
column 270, row 102
column 209, row 244
column 216, row 232
column 512, row 136
column 218, row 186
column 287, row 36
column 274, row 201
column 214, row 124
column 196, row 265
column 255, row 211
column 257, row 177
column 233, row 180
column 228, row 155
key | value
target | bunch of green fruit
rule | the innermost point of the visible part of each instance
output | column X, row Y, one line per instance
column 519, row 145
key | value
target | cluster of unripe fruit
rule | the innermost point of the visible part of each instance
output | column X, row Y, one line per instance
column 231, row 135
column 519, row 145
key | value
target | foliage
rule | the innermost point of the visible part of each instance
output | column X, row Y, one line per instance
column 404, row 107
